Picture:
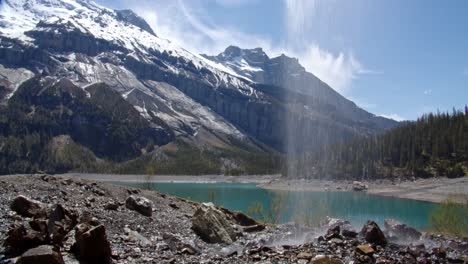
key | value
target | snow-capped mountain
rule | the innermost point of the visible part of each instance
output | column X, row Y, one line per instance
column 240, row 94
column 286, row 72
column 87, row 43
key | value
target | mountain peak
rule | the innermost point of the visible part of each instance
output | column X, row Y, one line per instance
column 231, row 52
column 131, row 17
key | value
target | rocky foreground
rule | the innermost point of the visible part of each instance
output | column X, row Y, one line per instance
column 52, row 219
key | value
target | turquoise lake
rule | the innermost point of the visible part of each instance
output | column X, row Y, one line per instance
column 301, row 206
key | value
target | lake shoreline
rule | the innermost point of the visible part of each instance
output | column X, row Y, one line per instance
column 434, row 190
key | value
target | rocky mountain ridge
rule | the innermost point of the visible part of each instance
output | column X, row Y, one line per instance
column 203, row 101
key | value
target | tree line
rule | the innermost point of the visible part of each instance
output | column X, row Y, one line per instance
column 436, row 144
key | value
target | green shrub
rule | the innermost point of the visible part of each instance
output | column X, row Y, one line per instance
column 451, row 219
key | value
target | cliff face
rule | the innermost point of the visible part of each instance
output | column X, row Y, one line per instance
column 241, row 94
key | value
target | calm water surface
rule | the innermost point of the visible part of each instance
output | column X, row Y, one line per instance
column 353, row 206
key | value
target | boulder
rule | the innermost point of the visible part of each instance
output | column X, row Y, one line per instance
column 359, row 186
column 373, row 234
column 333, row 232
column 348, row 230
column 212, row 225
column 91, row 244
column 44, row 254
column 39, row 225
column 139, row 204
column 177, row 245
column 112, row 205
column 399, row 231
column 19, row 239
column 240, row 218
column 60, row 222
column 28, row 207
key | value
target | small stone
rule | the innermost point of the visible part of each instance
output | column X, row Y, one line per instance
column 305, row 255
column 188, row 250
column 322, row 259
column 112, row 205
column 254, row 228
column 136, row 237
column 365, row 250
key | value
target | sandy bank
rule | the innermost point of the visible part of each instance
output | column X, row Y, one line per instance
column 431, row 190
column 254, row 179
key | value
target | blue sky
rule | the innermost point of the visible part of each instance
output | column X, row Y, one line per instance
column 395, row 58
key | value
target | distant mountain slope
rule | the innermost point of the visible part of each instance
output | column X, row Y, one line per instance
column 286, row 72
column 246, row 100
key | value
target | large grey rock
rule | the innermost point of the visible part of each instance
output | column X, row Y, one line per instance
column 139, row 204
column 91, row 244
column 212, row 225
column 396, row 230
column 44, row 254
column 373, row 234
column 27, row 207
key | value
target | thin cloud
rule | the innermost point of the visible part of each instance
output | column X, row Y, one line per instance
column 186, row 23
column 465, row 72
column 235, row 3
column 427, row 92
column 337, row 69
column 395, row 117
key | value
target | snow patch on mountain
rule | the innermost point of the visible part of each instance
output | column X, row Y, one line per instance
column 20, row 16
column 12, row 78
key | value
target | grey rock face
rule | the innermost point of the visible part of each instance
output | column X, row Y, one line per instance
column 41, row 255
column 139, row 204
column 212, row 225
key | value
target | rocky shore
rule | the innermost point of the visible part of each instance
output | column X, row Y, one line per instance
column 59, row 219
